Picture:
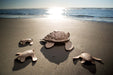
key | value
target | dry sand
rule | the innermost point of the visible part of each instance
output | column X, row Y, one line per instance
column 95, row 38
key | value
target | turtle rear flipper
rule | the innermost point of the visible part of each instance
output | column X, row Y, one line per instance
column 93, row 62
column 31, row 43
column 22, row 59
column 68, row 45
column 97, row 59
column 49, row 44
column 34, row 58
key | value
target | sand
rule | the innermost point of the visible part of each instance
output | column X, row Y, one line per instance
column 95, row 38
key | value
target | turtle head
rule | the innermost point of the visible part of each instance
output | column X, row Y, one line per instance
column 43, row 40
column 18, row 53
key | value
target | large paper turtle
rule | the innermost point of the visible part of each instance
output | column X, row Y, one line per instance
column 58, row 37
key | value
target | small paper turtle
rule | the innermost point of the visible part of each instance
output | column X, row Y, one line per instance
column 23, row 55
column 58, row 37
column 26, row 41
column 87, row 57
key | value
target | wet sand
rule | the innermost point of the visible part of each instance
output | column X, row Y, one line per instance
column 95, row 38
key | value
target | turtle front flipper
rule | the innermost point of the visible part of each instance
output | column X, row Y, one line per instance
column 83, row 61
column 68, row 46
column 49, row 44
column 76, row 57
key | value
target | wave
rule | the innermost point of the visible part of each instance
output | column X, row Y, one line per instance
column 81, row 16
column 23, row 11
column 17, row 13
column 105, row 17
column 88, row 16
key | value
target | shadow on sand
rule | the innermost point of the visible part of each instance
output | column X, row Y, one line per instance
column 19, row 65
column 56, row 54
column 88, row 65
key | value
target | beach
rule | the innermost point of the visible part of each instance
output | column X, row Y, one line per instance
column 95, row 38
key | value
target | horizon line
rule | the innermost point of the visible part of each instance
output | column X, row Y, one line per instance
column 63, row 7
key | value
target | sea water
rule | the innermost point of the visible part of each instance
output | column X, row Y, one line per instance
column 91, row 14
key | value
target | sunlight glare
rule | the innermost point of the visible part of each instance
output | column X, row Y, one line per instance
column 55, row 13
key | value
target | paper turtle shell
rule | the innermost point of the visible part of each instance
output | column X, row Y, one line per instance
column 58, row 37
column 26, row 41
column 87, row 57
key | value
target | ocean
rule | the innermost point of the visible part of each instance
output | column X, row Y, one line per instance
column 90, row 14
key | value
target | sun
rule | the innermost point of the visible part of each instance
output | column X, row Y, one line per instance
column 55, row 13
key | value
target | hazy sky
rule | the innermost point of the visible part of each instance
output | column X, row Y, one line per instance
column 54, row 3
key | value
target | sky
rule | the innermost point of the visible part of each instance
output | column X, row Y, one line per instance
column 10, row 4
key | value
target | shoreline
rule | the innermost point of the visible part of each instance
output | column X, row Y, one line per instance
column 56, row 19
column 67, row 18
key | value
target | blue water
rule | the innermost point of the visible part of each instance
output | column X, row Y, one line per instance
column 91, row 14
